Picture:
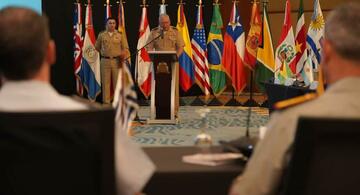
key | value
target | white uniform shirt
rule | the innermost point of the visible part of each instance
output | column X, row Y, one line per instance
column 31, row 95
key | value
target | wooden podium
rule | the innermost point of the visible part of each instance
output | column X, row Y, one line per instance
column 163, row 87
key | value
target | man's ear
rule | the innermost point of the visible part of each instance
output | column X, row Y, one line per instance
column 327, row 52
column 51, row 53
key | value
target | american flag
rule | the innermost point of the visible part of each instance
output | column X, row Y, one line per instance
column 199, row 54
column 78, row 43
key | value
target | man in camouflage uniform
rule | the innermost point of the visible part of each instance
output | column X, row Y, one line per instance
column 171, row 40
column 113, row 47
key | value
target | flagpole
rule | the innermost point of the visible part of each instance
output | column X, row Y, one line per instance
column 215, row 101
column 265, row 104
column 251, row 102
column 141, row 101
column 197, row 101
column 233, row 101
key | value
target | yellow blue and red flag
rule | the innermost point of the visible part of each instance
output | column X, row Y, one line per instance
column 186, row 70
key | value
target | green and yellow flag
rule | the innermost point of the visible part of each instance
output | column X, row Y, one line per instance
column 215, row 45
column 265, row 55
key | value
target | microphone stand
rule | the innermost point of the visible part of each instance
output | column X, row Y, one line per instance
column 244, row 144
column 137, row 118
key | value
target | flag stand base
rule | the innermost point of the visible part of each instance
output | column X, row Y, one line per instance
column 197, row 102
column 182, row 102
column 251, row 103
column 233, row 102
column 265, row 104
column 215, row 102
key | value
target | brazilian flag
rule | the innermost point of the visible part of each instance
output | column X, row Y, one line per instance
column 215, row 47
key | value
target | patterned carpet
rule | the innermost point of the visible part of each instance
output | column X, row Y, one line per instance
column 223, row 123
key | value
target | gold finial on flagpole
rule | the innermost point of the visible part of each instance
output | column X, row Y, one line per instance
column 163, row 2
column 216, row 2
column 181, row 2
column 121, row 2
column 143, row 4
column 200, row 2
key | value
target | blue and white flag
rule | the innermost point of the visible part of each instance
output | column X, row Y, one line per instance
column 90, row 67
column 315, row 35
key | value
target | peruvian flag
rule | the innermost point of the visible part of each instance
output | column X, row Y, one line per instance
column 286, row 52
column 143, row 68
column 234, row 50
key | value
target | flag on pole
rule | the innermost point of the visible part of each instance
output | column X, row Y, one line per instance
column 78, row 43
column 252, row 41
column 265, row 67
column 234, row 49
column 121, row 27
column 125, row 99
column 215, row 47
column 90, row 67
column 162, row 9
column 302, row 66
column 315, row 35
column 143, row 69
column 107, row 10
column 285, row 52
column 186, row 70
column 199, row 53
column 128, row 155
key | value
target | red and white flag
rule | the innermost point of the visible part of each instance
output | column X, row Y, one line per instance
column 143, row 69
column 234, row 50
column 286, row 52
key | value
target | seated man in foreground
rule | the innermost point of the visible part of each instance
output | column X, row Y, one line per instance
column 27, row 53
column 341, row 65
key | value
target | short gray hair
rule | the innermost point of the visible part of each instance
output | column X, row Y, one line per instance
column 163, row 16
column 342, row 30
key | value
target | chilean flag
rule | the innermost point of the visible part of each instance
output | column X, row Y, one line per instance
column 234, row 50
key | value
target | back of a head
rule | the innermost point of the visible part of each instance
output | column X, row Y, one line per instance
column 342, row 29
column 24, row 39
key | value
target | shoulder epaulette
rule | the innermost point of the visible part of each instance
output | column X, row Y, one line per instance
column 295, row 101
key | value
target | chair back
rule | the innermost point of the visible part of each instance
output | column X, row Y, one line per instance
column 70, row 152
column 325, row 158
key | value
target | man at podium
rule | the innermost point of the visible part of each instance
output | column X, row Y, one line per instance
column 167, row 38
